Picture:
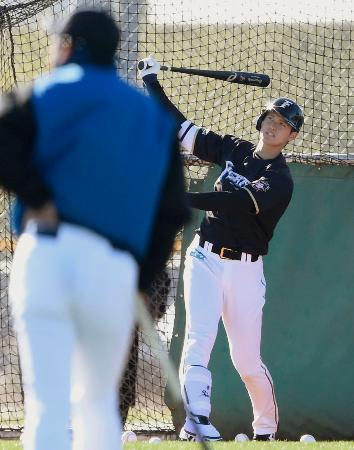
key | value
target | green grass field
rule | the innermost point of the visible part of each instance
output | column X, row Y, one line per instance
column 172, row 445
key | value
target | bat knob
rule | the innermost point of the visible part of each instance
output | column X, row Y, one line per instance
column 141, row 65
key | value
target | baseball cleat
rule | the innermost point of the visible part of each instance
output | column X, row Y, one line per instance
column 206, row 430
column 186, row 435
column 264, row 437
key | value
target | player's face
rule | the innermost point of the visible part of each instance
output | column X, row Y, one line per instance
column 275, row 131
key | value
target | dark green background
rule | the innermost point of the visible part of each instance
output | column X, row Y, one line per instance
column 308, row 337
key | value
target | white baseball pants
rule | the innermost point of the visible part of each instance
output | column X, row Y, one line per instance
column 234, row 290
column 73, row 302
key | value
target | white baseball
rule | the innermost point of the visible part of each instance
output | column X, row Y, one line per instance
column 307, row 438
column 129, row 436
column 241, row 437
column 154, row 440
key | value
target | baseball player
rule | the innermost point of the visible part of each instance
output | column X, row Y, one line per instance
column 223, row 274
column 74, row 149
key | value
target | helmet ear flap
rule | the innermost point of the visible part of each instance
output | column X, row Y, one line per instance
column 299, row 121
column 260, row 120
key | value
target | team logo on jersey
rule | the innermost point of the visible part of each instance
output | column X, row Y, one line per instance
column 261, row 185
column 230, row 178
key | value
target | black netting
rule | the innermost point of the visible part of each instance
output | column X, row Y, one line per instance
column 306, row 50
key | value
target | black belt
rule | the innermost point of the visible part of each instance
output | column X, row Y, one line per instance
column 228, row 253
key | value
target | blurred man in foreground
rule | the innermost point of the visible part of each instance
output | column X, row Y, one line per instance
column 100, row 195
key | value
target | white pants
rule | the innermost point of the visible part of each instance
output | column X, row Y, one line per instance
column 234, row 290
column 72, row 299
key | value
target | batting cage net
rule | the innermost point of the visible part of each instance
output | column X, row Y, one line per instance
column 305, row 47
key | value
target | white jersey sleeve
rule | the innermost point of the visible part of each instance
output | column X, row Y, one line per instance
column 187, row 135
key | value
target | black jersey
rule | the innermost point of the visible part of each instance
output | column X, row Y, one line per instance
column 251, row 194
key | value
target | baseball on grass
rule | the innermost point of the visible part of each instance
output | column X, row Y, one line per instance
column 307, row 438
column 241, row 437
column 154, row 440
column 129, row 436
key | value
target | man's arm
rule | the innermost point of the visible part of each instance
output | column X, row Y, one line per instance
column 172, row 213
column 203, row 143
column 155, row 90
column 223, row 201
column 269, row 191
column 17, row 135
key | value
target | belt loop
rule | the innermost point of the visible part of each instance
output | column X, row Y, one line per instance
column 207, row 246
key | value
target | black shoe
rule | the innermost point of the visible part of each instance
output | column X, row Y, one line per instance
column 264, row 437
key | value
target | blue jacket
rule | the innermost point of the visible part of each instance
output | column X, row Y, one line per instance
column 103, row 149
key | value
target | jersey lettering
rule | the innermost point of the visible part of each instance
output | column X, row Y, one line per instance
column 197, row 254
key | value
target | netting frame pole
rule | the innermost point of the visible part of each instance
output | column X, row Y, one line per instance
column 131, row 15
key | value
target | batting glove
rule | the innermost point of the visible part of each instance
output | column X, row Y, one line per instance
column 148, row 66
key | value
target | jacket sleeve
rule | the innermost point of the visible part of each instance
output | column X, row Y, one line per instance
column 17, row 136
column 223, row 201
column 209, row 146
column 173, row 212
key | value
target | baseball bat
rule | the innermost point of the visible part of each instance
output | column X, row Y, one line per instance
column 232, row 76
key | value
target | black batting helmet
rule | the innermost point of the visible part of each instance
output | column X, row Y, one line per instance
column 290, row 111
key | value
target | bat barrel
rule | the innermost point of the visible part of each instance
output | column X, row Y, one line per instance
column 248, row 78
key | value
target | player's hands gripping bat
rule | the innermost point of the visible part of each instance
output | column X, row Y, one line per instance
column 150, row 65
